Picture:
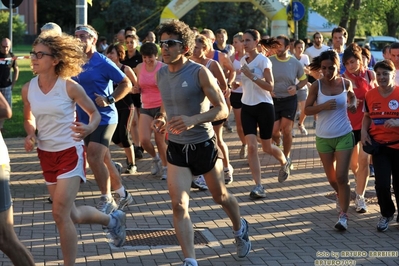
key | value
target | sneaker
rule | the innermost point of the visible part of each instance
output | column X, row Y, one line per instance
column 131, row 169
column 228, row 175
column 383, row 223
column 187, row 263
column 118, row 167
column 342, row 223
column 118, row 233
column 243, row 244
column 164, row 173
column 227, row 126
column 297, row 115
column 199, row 182
column 360, row 204
column 258, row 192
column 156, row 166
column 337, row 205
column 303, row 130
column 284, row 171
column 138, row 152
column 107, row 206
column 293, row 132
column 372, row 174
column 123, row 202
column 244, row 152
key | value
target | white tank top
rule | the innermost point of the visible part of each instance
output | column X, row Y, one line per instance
column 54, row 113
column 333, row 123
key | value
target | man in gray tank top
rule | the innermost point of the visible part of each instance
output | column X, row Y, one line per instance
column 187, row 89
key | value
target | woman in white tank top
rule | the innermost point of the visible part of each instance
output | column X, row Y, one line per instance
column 334, row 137
column 50, row 100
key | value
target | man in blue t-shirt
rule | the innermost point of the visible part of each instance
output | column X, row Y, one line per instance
column 97, row 77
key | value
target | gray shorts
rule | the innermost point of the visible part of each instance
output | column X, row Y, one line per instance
column 302, row 94
column 150, row 111
column 5, row 195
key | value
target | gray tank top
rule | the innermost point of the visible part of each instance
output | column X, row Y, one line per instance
column 182, row 95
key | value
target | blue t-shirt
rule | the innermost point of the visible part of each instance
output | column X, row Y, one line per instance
column 342, row 68
column 98, row 76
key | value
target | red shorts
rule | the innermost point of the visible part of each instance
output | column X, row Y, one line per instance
column 63, row 164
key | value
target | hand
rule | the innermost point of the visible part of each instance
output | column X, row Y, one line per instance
column 178, row 124
column 246, row 71
column 330, row 105
column 365, row 138
column 101, row 100
column 80, row 131
column 227, row 93
column 30, row 142
column 292, row 90
column 391, row 123
column 135, row 90
column 159, row 125
column 352, row 108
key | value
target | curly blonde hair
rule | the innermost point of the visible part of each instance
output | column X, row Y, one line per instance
column 67, row 49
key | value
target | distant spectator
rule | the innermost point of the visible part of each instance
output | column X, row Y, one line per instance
column 385, row 51
column 102, row 45
column 51, row 26
column 394, row 57
column 369, row 56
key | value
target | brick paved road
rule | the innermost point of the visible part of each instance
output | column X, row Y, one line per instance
column 289, row 227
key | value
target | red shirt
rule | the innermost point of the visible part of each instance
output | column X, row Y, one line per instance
column 381, row 109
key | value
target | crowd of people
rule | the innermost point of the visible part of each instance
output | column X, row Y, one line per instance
column 179, row 93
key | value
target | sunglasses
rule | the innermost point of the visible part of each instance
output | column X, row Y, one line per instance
column 39, row 55
column 169, row 43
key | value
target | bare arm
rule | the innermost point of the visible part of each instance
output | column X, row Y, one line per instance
column 267, row 83
column 228, row 65
column 132, row 77
column 77, row 94
column 352, row 101
column 217, row 72
column 15, row 75
column 311, row 108
column 29, row 120
column 5, row 109
column 123, row 88
column 366, row 123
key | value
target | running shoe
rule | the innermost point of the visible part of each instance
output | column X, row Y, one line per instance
column 228, row 175
column 360, row 204
column 106, row 205
column 285, row 171
column 164, row 173
column 258, row 192
column 244, row 151
column 131, row 169
column 383, row 223
column 123, row 202
column 342, row 223
column 156, row 166
column 243, row 244
column 199, row 182
column 118, row 232
column 118, row 167
column 303, row 130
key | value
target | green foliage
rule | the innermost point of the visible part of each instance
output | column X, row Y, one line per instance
column 18, row 26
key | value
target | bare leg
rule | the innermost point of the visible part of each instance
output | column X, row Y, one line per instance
column 10, row 244
column 222, row 145
column 286, row 128
column 253, row 158
column 96, row 153
column 145, row 134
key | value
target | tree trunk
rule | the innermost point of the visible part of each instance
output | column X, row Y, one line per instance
column 392, row 22
column 353, row 22
column 345, row 14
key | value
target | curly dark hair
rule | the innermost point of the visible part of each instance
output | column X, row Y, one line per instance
column 183, row 32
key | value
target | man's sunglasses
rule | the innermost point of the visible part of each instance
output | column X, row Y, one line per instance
column 169, row 43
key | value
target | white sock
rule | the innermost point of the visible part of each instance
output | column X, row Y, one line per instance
column 240, row 231
column 112, row 222
column 108, row 196
column 191, row 261
column 226, row 169
column 121, row 191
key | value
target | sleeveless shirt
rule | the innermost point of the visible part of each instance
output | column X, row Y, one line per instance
column 54, row 113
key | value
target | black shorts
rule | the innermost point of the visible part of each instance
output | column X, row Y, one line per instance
column 260, row 115
column 357, row 135
column 200, row 158
column 102, row 134
column 285, row 107
column 235, row 100
column 136, row 100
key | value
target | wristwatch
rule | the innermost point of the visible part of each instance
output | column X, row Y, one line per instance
column 255, row 78
column 110, row 99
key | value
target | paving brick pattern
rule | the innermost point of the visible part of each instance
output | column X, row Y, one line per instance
column 293, row 225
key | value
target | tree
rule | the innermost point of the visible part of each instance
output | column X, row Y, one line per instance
column 18, row 27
